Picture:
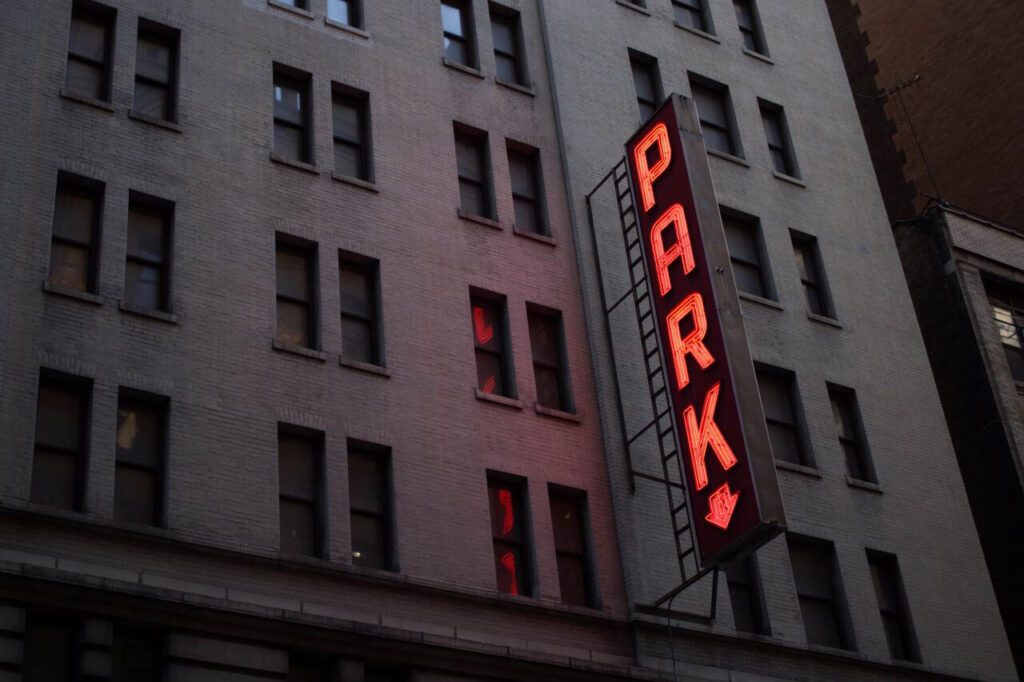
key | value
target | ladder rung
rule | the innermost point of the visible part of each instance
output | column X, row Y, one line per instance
column 679, row 509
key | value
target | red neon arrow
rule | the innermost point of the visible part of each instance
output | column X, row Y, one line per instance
column 722, row 503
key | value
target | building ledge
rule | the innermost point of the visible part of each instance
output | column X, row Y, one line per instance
column 84, row 99
column 864, row 485
column 161, row 315
column 83, row 296
column 292, row 163
column 354, row 30
column 304, row 13
column 697, row 32
column 557, row 414
column 535, row 236
column 504, row 401
column 301, row 351
column 480, row 220
column 367, row 367
column 355, row 182
column 739, row 160
column 760, row 300
column 518, row 87
column 158, row 122
column 824, row 319
column 462, row 67
column 758, row 56
column 797, row 468
column 791, row 179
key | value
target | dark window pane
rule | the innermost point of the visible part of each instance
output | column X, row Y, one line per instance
column 549, row 393
column 742, row 608
column 527, row 218
column 772, row 128
column 293, row 323
column 742, row 240
column 347, row 118
column 523, row 170
column 785, row 443
column 54, row 478
column 348, row 160
column 289, row 96
column 140, row 433
column 309, row 669
column 135, row 495
column 451, row 18
column 776, row 397
column 545, row 339
column 748, row 279
column 805, row 264
column 779, row 161
column 644, row 81
column 689, row 13
column 137, row 654
column 342, row 11
column 744, row 593
column 153, row 59
column 717, row 139
column 298, row 527
column 356, row 290
column 69, row 267
column 292, row 275
column 472, row 199
column 490, row 373
column 744, row 16
column 86, row 79
column 572, row 580
column 503, row 30
column 357, row 340
column 142, row 286
column 507, row 68
column 49, row 648
column 74, row 215
column 567, row 524
column 813, row 573
column 289, row 142
column 456, row 51
column 821, row 623
column 297, row 467
column 58, row 417
column 711, row 106
column 88, row 38
column 146, row 235
column 368, row 541
column 152, row 100
column 469, row 157
column 367, row 476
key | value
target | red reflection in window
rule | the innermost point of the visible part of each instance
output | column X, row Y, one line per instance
column 508, row 560
column 509, row 522
column 489, row 384
column 484, row 332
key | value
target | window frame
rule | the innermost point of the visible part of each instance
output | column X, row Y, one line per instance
column 531, row 157
column 772, row 113
column 756, row 30
column 344, row 94
column 799, row 425
column 480, row 139
column 812, row 255
column 505, row 359
column 163, row 209
column 81, row 186
column 753, row 224
column 82, row 388
column 318, row 501
column 99, row 15
column 1009, row 297
column 561, row 370
column 701, row 10
column 171, row 38
column 501, row 13
column 902, row 614
column 161, row 405
column 839, row 602
column 383, row 455
column 586, row 556
column 302, row 82
column 517, row 486
column 468, row 41
column 731, row 130
column 355, row 10
column 370, row 267
column 648, row 66
column 310, row 253
column 755, row 594
column 846, row 399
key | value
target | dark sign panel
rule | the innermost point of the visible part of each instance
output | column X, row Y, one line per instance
column 721, row 434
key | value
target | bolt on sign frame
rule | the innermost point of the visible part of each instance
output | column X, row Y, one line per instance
column 721, row 439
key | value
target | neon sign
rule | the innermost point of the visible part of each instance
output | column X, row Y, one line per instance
column 720, row 430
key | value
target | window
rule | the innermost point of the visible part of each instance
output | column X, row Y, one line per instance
column 1008, row 311
column 850, row 430
column 820, row 593
column 568, row 521
column 300, row 4
column 743, row 236
column 892, row 606
column 61, row 442
column 547, row 341
column 303, row 668
column 348, row 12
column 777, row 133
column 296, row 271
column 745, row 595
column 456, row 22
column 76, row 229
column 493, row 367
column 474, row 172
column 147, row 270
column 350, row 111
column 714, row 110
column 527, row 196
column 778, row 398
column 156, row 72
column 51, row 644
column 360, row 319
column 808, row 264
column 506, row 32
column 300, row 476
column 139, row 469
column 137, row 653
column 511, row 541
column 692, row 13
column 369, row 490
column 750, row 26
column 646, row 82
column 89, row 50
column 292, row 137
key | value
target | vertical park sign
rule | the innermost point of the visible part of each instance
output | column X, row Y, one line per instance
column 721, row 436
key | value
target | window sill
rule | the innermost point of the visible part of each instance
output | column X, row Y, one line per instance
column 346, row 28
column 535, row 236
column 518, row 87
column 797, row 468
column 728, row 157
column 635, row 8
column 760, row 300
column 288, row 8
column 82, row 99
column 498, row 399
column 158, row 122
column 556, row 414
column 84, row 296
column 697, row 32
column 367, row 367
column 864, row 485
column 789, row 178
column 822, row 319
column 170, row 318
column 355, row 182
column 461, row 67
column 757, row 55
column 300, row 165
column 489, row 222
column 310, row 353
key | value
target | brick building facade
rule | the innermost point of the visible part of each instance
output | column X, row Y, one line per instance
column 305, row 377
